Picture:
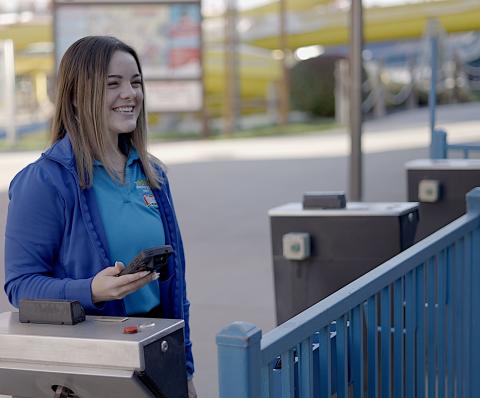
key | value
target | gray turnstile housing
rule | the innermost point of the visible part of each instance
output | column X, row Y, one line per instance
column 345, row 244
column 455, row 177
column 92, row 359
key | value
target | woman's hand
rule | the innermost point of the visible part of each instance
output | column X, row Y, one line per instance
column 107, row 286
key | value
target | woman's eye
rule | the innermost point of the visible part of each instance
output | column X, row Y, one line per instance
column 112, row 84
column 136, row 83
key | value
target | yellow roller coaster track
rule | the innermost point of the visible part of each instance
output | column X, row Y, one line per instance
column 328, row 26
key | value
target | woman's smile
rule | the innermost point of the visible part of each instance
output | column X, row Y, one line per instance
column 124, row 109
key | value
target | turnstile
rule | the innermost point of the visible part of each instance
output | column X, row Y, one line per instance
column 440, row 186
column 318, row 251
column 92, row 359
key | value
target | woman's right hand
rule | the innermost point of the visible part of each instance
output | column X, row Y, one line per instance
column 106, row 285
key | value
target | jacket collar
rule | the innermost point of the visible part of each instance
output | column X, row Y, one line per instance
column 62, row 152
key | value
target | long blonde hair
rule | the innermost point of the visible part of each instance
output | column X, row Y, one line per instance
column 80, row 108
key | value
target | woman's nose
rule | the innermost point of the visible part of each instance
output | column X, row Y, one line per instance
column 128, row 91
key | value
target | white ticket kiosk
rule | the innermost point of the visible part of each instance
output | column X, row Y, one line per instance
column 92, row 359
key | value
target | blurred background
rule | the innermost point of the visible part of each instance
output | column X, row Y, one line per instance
column 217, row 70
column 242, row 67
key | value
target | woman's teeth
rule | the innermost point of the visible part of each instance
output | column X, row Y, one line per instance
column 124, row 109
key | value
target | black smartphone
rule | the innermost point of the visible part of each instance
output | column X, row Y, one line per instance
column 153, row 259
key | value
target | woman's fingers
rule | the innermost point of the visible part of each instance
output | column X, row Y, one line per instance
column 112, row 271
column 119, row 266
column 130, row 284
column 106, row 285
column 131, row 278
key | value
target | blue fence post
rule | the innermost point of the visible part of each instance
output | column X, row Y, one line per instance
column 438, row 146
column 473, row 206
column 238, row 347
column 438, row 143
column 473, row 200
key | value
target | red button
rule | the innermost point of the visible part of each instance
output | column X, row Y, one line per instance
column 130, row 330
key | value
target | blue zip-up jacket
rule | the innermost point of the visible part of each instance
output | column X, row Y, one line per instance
column 55, row 242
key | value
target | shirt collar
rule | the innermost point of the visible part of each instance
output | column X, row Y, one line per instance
column 132, row 156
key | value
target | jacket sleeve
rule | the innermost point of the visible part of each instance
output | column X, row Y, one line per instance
column 33, row 236
column 186, row 302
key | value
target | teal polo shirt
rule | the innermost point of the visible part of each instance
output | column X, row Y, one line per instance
column 132, row 223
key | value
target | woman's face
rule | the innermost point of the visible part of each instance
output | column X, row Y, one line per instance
column 124, row 94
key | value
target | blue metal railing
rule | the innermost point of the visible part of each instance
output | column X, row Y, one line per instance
column 407, row 328
column 440, row 148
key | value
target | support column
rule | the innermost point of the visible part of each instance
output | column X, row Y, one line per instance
column 232, row 89
column 285, row 82
column 7, row 76
column 356, row 66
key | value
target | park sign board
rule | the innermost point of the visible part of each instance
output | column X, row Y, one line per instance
column 165, row 34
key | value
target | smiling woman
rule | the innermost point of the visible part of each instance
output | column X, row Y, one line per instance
column 96, row 198
column 124, row 101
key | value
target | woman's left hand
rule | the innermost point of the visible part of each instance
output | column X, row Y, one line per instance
column 192, row 393
column 106, row 285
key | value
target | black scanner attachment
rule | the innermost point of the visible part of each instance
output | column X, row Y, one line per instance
column 54, row 312
column 153, row 260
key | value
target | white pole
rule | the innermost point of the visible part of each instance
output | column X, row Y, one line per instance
column 356, row 62
column 232, row 83
column 8, row 72
column 285, row 80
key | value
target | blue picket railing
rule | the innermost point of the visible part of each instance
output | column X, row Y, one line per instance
column 440, row 148
column 408, row 328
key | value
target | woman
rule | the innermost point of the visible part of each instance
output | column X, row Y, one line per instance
column 96, row 198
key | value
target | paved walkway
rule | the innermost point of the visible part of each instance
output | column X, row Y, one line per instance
column 405, row 130
column 224, row 189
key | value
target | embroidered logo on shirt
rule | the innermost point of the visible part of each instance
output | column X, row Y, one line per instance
column 149, row 200
column 142, row 184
